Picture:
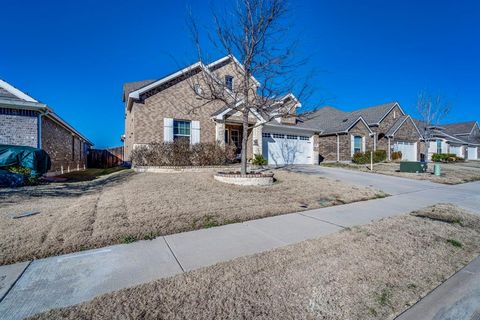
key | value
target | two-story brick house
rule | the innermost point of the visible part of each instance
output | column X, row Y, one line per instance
column 25, row 121
column 171, row 108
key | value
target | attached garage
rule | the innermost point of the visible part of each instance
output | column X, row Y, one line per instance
column 408, row 150
column 457, row 150
column 472, row 153
column 287, row 148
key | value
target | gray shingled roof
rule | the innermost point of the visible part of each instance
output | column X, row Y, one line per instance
column 373, row 115
column 132, row 86
column 459, row 127
column 329, row 120
column 7, row 94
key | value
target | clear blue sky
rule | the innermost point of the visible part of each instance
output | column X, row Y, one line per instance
column 75, row 55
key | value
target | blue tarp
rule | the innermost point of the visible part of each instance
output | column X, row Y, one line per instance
column 35, row 159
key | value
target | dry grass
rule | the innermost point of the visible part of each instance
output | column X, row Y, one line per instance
column 370, row 272
column 452, row 173
column 125, row 206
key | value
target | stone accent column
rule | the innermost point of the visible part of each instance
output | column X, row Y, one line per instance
column 257, row 140
column 220, row 133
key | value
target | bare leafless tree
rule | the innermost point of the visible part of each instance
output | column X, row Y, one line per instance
column 255, row 33
column 432, row 108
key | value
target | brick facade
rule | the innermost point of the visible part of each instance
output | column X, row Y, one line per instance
column 408, row 133
column 21, row 130
column 144, row 121
column 66, row 150
column 328, row 144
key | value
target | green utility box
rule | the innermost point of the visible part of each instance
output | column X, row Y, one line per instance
column 413, row 166
column 436, row 170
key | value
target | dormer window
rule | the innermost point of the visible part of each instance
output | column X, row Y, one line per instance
column 229, row 82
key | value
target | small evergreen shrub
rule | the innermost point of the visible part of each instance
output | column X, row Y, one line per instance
column 259, row 160
column 445, row 157
column 364, row 157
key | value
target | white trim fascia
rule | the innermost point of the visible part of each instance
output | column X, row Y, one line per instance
column 413, row 122
column 390, row 110
column 230, row 56
column 16, row 92
column 356, row 121
column 268, row 124
column 136, row 94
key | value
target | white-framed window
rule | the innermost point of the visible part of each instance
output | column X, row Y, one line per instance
column 266, row 134
column 357, row 144
column 292, row 137
column 278, row 136
column 439, row 146
column 304, row 138
column 229, row 83
column 181, row 129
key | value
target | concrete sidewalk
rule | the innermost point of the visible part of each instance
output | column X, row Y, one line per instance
column 456, row 298
column 69, row 279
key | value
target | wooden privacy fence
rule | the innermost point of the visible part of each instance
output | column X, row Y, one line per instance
column 105, row 158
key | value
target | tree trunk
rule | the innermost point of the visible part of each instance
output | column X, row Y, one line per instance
column 243, row 161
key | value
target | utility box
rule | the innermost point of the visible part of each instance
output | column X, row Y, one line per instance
column 413, row 166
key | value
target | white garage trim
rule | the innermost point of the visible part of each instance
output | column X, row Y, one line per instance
column 472, row 153
column 408, row 150
column 287, row 147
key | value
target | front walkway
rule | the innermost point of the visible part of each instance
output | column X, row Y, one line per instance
column 69, row 279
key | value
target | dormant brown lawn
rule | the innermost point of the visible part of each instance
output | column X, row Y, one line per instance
column 125, row 206
column 370, row 272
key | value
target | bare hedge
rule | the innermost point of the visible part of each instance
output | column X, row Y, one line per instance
column 182, row 153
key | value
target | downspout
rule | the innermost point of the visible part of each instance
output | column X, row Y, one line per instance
column 338, row 148
column 39, row 128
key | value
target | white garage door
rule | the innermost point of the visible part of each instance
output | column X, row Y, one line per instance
column 458, row 151
column 281, row 149
column 408, row 150
column 472, row 153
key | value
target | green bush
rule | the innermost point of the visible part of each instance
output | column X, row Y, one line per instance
column 259, row 160
column 396, row 155
column 364, row 157
column 445, row 157
column 29, row 178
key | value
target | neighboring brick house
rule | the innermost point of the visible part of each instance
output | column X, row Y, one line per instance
column 383, row 127
column 26, row 122
column 169, row 108
column 461, row 138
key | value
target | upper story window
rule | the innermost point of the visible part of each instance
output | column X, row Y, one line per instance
column 229, row 82
column 181, row 130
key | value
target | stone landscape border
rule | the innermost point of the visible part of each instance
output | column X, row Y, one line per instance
column 250, row 179
column 179, row 169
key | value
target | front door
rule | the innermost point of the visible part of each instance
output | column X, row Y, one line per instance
column 235, row 139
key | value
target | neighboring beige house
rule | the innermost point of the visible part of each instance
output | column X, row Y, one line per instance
column 170, row 108
column 461, row 138
column 26, row 122
column 382, row 127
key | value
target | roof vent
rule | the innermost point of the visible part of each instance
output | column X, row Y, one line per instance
column 344, row 120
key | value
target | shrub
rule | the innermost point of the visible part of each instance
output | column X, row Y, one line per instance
column 28, row 177
column 396, row 155
column 445, row 157
column 259, row 160
column 364, row 157
column 182, row 153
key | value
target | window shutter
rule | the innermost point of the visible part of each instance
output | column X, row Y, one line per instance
column 363, row 144
column 195, row 138
column 167, row 129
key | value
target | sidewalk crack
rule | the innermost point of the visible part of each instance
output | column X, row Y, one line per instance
column 173, row 253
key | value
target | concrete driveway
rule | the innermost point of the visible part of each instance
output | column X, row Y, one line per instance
column 389, row 184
